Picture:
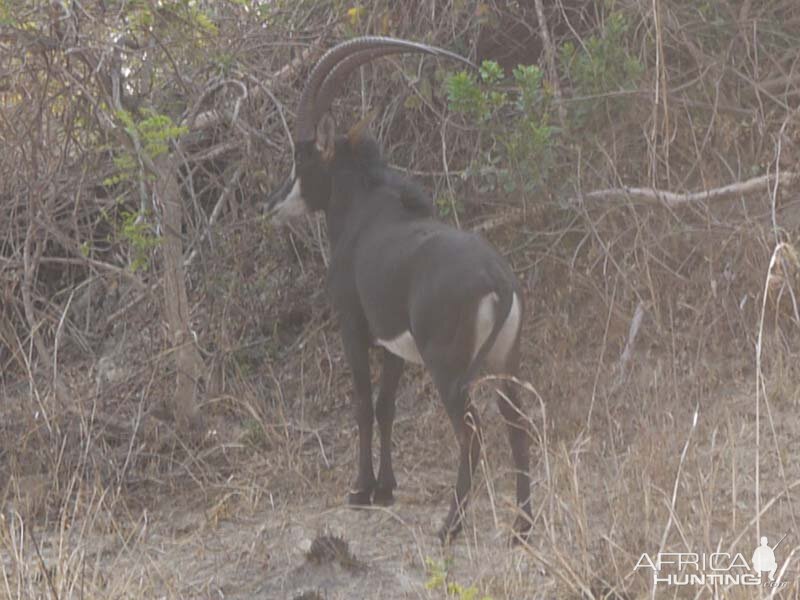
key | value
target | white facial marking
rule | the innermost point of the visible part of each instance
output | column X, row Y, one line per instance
column 293, row 205
column 404, row 347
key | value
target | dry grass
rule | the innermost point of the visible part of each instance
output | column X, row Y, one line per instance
column 661, row 342
column 663, row 459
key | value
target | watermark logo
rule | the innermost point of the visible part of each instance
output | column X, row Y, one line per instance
column 715, row 568
column 764, row 558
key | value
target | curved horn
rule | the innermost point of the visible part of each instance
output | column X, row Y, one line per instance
column 327, row 91
column 340, row 61
column 330, row 86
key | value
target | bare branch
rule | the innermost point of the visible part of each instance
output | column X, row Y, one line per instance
column 673, row 199
column 212, row 118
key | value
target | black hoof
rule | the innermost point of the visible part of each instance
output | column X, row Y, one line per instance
column 359, row 498
column 383, row 496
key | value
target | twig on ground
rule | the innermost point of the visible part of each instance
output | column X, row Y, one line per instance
column 633, row 331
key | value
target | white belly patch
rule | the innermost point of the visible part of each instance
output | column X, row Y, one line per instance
column 403, row 346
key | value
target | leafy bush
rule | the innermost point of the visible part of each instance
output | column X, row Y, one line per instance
column 154, row 132
column 478, row 101
column 516, row 116
column 601, row 71
column 134, row 231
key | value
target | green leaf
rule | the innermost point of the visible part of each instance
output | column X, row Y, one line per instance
column 491, row 72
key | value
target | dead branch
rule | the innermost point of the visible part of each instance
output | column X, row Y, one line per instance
column 212, row 118
column 550, row 59
column 673, row 199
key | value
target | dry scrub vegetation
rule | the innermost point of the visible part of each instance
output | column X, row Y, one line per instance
column 175, row 418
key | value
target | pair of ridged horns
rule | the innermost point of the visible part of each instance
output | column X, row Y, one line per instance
column 337, row 63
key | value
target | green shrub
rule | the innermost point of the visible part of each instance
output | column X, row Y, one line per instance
column 599, row 71
column 139, row 236
column 516, row 116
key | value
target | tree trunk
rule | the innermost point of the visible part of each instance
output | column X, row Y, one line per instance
column 189, row 365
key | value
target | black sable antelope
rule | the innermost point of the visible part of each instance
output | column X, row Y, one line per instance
column 424, row 291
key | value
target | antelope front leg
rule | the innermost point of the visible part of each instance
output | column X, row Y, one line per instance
column 357, row 351
column 384, row 414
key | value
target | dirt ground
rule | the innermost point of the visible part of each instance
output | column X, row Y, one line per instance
column 639, row 478
column 669, row 450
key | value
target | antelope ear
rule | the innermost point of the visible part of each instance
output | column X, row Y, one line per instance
column 357, row 130
column 326, row 137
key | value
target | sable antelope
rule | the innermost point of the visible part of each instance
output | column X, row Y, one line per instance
column 426, row 292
